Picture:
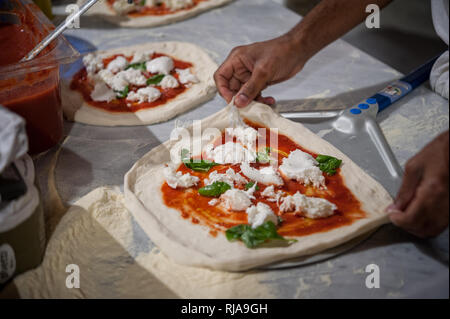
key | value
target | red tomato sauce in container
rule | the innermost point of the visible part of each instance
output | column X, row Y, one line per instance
column 32, row 89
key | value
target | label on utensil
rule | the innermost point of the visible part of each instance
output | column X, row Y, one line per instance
column 396, row 90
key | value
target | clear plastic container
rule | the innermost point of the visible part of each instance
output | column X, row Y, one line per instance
column 32, row 89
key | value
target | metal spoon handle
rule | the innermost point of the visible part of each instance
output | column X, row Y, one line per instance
column 53, row 35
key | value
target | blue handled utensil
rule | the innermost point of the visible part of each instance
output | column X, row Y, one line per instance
column 356, row 133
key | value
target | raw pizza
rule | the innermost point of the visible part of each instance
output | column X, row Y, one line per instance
column 138, row 85
column 149, row 13
column 245, row 201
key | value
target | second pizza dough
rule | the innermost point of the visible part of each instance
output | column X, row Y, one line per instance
column 76, row 109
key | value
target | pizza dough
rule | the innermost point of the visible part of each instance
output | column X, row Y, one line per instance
column 102, row 10
column 76, row 109
column 191, row 244
column 115, row 261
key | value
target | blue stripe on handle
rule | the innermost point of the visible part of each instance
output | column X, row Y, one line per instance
column 402, row 87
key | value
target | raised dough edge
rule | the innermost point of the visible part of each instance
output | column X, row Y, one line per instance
column 103, row 11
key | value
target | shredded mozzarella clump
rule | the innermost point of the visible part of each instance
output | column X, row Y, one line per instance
column 185, row 76
column 230, row 177
column 266, row 175
column 303, row 168
column 169, row 82
column 176, row 179
column 229, row 153
column 259, row 214
column 147, row 94
column 270, row 194
column 161, row 65
column 236, row 199
column 246, row 135
column 311, row 207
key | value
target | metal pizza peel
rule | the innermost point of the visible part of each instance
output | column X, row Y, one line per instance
column 355, row 132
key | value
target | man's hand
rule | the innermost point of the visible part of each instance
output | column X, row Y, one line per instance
column 250, row 69
column 422, row 204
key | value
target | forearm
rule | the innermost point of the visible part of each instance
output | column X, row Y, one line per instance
column 328, row 21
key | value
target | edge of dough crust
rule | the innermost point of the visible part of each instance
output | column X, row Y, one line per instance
column 102, row 10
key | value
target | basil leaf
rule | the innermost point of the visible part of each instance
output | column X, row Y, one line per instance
column 122, row 94
column 264, row 156
column 236, row 232
column 195, row 164
column 255, row 237
column 250, row 185
column 137, row 66
column 214, row 190
column 142, row 2
column 328, row 164
column 155, row 79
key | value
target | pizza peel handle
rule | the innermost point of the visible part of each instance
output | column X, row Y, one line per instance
column 402, row 87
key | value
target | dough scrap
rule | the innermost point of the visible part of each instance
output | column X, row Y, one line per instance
column 98, row 235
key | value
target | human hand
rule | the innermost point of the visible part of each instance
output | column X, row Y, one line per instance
column 422, row 204
column 249, row 69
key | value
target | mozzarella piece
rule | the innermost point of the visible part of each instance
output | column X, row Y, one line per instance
column 102, row 93
column 229, row 153
column 246, row 135
column 270, row 194
column 117, row 65
column 266, row 175
column 169, row 82
column 176, row 179
column 177, row 4
column 213, row 202
column 140, row 56
column 303, row 168
column 161, row 65
column 123, row 7
column 185, row 76
column 311, row 207
column 116, row 82
column 236, row 199
column 133, row 76
column 148, row 94
column 92, row 63
column 259, row 214
column 230, row 177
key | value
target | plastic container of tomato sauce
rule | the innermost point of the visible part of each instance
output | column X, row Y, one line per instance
column 32, row 89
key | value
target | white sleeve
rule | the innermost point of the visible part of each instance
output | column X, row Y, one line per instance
column 439, row 74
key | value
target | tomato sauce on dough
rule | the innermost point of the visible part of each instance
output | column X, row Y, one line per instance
column 81, row 84
column 195, row 207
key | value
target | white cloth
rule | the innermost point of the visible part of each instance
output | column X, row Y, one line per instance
column 439, row 74
column 13, row 138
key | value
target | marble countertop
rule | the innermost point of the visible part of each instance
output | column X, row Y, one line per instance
column 337, row 77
